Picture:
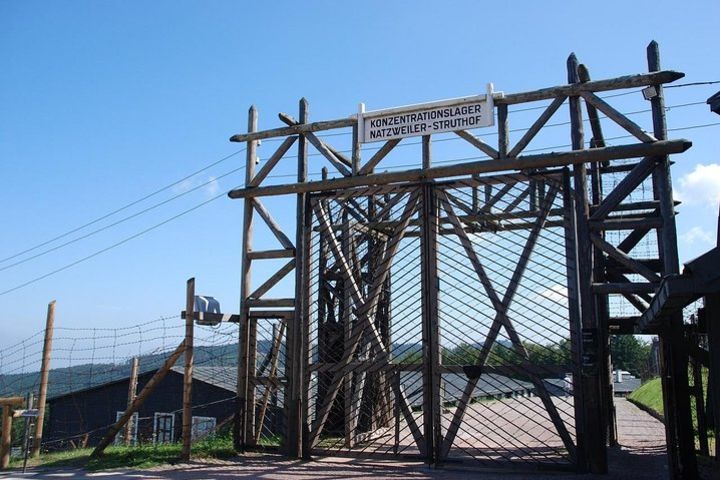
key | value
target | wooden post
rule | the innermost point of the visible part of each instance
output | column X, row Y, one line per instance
column 676, row 395
column 44, row 374
column 6, row 435
column 574, row 314
column 712, row 320
column 239, row 426
column 602, row 306
column 297, row 427
column 188, row 376
column 430, row 327
column 132, row 393
column 589, row 382
column 426, row 152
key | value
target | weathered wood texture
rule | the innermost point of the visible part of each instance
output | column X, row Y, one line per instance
column 188, row 371
column 524, row 162
column 44, row 374
column 132, row 393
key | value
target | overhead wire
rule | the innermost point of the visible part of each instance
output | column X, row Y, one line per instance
column 197, row 206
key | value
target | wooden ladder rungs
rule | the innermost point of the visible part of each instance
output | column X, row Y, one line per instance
column 270, row 302
column 269, row 254
column 271, row 313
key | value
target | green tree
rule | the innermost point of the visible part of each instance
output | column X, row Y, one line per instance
column 631, row 354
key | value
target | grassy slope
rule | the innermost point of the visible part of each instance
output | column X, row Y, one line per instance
column 650, row 395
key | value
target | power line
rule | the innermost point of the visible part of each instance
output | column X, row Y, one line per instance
column 120, row 209
column 122, row 220
column 168, row 220
column 114, row 245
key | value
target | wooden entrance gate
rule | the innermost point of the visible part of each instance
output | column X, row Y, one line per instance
column 439, row 322
column 461, row 311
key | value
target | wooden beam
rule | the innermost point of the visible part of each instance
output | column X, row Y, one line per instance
column 188, row 371
column 273, row 280
column 44, row 375
column 378, row 156
column 574, row 89
column 271, row 254
column 624, row 259
column 537, row 125
column 622, row 288
column 632, row 127
column 6, row 445
column 626, row 186
column 132, row 393
column 272, row 224
column 629, row 81
column 526, row 162
column 139, row 400
column 477, row 143
column 272, row 161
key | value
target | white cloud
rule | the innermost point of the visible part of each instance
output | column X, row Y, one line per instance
column 183, row 186
column 701, row 186
column 212, row 187
column 697, row 235
column 557, row 293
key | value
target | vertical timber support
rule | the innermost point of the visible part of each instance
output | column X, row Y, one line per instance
column 132, row 393
column 712, row 319
column 594, row 417
column 44, row 374
column 574, row 316
column 188, row 376
column 676, row 394
column 432, row 411
column 602, row 303
column 6, row 435
column 297, row 426
column 240, row 425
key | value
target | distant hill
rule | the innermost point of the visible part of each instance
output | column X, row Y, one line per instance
column 79, row 377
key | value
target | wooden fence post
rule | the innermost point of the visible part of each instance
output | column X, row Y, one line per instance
column 6, row 433
column 7, row 410
column 188, row 376
column 132, row 392
column 44, row 373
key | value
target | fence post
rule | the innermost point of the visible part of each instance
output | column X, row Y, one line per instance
column 44, row 374
column 187, row 378
column 132, row 391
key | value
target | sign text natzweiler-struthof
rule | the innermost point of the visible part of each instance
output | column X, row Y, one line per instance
column 426, row 119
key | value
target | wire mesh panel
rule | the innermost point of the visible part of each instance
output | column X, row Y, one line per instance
column 439, row 323
column 268, row 383
column 365, row 355
column 506, row 383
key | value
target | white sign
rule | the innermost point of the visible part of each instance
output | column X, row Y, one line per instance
column 426, row 118
column 32, row 413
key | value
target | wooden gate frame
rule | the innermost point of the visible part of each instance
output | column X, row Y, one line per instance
column 598, row 268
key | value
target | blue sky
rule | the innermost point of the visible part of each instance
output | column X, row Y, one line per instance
column 104, row 102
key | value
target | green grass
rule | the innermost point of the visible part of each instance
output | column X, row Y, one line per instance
column 143, row 456
column 650, row 395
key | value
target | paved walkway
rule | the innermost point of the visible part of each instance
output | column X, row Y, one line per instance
column 641, row 456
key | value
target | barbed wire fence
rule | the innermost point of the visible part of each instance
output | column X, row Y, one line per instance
column 91, row 372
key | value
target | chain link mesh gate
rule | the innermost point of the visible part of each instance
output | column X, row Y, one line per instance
column 438, row 323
